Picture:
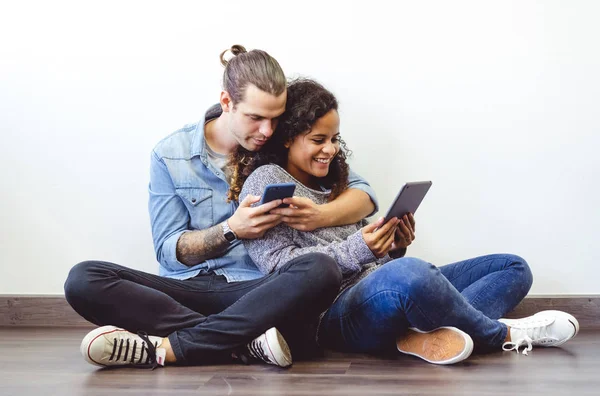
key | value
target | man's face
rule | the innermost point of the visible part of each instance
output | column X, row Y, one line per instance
column 253, row 120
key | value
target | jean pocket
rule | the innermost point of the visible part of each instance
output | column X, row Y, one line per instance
column 198, row 201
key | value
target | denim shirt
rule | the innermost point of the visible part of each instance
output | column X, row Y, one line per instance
column 188, row 193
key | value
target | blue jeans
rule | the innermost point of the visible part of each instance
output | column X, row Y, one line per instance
column 409, row 292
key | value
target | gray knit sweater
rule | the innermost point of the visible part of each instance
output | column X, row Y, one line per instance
column 282, row 243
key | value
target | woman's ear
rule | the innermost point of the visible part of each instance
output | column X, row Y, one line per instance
column 287, row 145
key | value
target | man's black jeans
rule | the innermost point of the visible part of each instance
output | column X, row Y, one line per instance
column 205, row 318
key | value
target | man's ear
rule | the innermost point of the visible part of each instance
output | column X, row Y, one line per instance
column 226, row 102
column 287, row 145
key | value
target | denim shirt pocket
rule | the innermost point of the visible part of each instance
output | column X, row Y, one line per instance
column 198, row 201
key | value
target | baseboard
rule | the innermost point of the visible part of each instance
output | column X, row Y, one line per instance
column 38, row 311
column 585, row 308
column 54, row 311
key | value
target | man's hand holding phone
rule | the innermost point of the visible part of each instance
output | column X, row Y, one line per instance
column 252, row 222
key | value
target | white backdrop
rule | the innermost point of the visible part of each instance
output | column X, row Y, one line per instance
column 495, row 101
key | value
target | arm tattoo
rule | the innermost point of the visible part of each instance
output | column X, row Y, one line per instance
column 194, row 247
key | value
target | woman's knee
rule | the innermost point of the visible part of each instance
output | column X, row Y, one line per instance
column 525, row 278
column 384, row 294
column 407, row 274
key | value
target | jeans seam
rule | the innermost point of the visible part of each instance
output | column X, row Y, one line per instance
column 468, row 269
column 164, row 280
column 176, row 347
column 243, row 285
column 378, row 293
column 219, row 313
column 239, row 300
column 476, row 298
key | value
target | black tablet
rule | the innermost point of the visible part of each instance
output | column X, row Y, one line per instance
column 408, row 199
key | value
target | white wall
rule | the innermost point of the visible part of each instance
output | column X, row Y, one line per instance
column 496, row 102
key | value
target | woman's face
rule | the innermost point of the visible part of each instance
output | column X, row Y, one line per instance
column 311, row 153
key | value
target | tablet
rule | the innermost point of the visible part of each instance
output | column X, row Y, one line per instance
column 408, row 199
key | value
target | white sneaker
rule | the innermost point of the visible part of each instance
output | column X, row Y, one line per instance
column 545, row 328
column 112, row 346
column 270, row 347
column 444, row 345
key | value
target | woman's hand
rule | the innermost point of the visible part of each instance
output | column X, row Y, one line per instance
column 379, row 237
column 302, row 214
column 404, row 234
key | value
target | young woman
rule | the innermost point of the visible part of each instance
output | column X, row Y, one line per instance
column 386, row 301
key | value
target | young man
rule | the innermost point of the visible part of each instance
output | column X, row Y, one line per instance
column 210, row 303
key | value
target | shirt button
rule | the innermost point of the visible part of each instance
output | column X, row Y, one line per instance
column 193, row 200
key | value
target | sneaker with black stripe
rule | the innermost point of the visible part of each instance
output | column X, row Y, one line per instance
column 113, row 346
column 269, row 347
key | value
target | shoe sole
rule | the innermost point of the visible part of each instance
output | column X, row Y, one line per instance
column 274, row 340
column 90, row 337
column 445, row 345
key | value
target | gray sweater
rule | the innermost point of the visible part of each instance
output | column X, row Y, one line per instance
column 282, row 243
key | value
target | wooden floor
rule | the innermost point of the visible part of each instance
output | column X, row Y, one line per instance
column 38, row 361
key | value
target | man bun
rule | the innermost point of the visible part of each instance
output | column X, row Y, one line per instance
column 235, row 50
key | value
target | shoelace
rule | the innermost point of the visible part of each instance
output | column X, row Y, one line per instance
column 514, row 346
column 534, row 330
column 146, row 345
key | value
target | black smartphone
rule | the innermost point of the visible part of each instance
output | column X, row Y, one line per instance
column 278, row 191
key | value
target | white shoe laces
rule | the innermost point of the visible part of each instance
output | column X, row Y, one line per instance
column 533, row 330
column 514, row 346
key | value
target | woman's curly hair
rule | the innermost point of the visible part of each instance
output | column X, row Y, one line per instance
column 307, row 101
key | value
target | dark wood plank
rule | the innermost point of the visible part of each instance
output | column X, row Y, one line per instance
column 585, row 308
column 37, row 360
column 38, row 310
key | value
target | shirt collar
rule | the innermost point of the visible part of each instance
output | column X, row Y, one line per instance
column 198, row 141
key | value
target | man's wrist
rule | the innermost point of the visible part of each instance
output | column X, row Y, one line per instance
column 228, row 233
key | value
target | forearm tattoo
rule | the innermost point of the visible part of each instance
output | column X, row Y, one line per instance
column 196, row 246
